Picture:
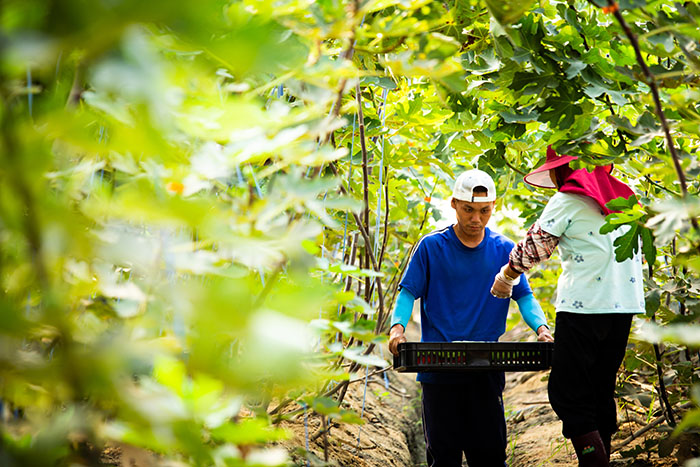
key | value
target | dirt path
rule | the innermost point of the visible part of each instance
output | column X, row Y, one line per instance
column 534, row 431
column 535, row 437
column 392, row 434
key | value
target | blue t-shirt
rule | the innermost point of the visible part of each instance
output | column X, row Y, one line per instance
column 453, row 283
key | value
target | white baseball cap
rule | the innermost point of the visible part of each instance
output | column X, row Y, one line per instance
column 471, row 179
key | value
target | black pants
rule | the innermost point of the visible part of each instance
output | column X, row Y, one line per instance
column 465, row 417
column 588, row 352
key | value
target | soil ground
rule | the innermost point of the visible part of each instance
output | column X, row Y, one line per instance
column 392, row 434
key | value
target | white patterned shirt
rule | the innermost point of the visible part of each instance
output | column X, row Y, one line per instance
column 591, row 280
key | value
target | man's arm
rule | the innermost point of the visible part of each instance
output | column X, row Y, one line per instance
column 533, row 315
column 399, row 319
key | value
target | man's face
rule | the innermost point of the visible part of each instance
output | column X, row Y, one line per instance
column 473, row 217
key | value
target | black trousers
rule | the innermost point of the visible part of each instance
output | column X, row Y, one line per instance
column 465, row 418
column 588, row 351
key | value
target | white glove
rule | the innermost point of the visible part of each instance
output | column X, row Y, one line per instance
column 503, row 285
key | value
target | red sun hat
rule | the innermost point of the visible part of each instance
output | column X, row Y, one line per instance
column 540, row 176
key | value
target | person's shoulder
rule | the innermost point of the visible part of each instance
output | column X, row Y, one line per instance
column 573, row 202
column 499, row 239
column 567, row 198
column 563, row 202
column 430, row 242
column 435, row 237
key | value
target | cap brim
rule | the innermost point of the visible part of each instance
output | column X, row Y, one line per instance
column 462, row 196
column 540, row 176
column 539, row 179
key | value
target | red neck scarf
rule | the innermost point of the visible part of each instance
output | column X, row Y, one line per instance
column 598, row 185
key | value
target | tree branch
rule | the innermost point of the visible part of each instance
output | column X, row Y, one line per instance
column 660, row 186
column 354, row 7
column 651, row 81
column 663, row 393
column 76, row 90
column 652, row 424
column 365, row 176
column 512, row 167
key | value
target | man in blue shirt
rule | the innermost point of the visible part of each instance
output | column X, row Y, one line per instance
column 451, row 271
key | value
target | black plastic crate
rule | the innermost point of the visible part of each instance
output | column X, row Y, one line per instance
column 471, row 356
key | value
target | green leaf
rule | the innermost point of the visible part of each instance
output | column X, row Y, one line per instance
column 608, row 227
column 536, row 82
column 621, row 204
column 356, row 354
column 310, row 247
column 560, row 112
column 648, row 246
column 677, row 333
column 508, row 11
column 530, row 115
column 652, row 301
column 383, row 82
column 672, row 218
column 575, row 68
column 690, row 419
column 632, row 4
column 248, row 432
column 359, row 305
column 455, row 82
column 324, row 405
column 324, row 265
column 521, row 55
column 483, row 63
column 628, row 244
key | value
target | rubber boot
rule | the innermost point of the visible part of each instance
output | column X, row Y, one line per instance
column 590, row 450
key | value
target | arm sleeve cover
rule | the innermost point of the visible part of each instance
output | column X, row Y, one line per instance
column 531, row 311
column 404, row 308
column 537, row 246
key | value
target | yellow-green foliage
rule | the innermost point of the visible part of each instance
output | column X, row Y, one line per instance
column 181, row 185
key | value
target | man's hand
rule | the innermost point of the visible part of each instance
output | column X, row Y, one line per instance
column 396, row 337
column 543, row 334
